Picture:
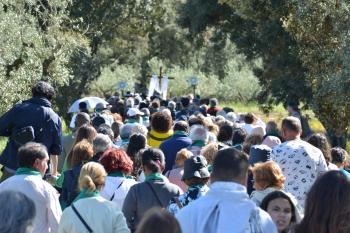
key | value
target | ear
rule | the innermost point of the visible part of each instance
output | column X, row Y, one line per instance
column 36, row 164
column 244, row 180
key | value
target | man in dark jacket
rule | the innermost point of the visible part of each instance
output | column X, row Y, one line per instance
column 174, row 144
column 36, row 116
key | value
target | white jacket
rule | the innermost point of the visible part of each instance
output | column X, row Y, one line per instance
column 226, row 208
column 101, row 215
column 45, row 197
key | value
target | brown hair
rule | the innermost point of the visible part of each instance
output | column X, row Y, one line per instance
column 291, row 124
column 161, row 122
column 230, row 165
column 82, row 152
column 327, row 208
column 85, row 132
column 251, row 140
column 320, row 141
column 158, row 220
column 268, row 174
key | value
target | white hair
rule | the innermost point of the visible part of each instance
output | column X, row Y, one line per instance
column 101, row 143
column 125, row 131
column 231, row 116
column 17, row 212
column 138, row 128
column 166, row 111
column 199, row 133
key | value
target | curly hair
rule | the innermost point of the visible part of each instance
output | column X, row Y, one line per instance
column 114, row 160
column 161, row 122
column 268, row 175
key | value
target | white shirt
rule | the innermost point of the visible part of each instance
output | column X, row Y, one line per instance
column 45, row 197
column 226, row 208
column 111, row 186
column 301, row 163
column 101, row 215
column 248, row 127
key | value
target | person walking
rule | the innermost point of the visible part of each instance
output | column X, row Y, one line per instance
column 226, row 207
column 31, row 120
column 90, row 212
column 300, row 161
column 32, row 159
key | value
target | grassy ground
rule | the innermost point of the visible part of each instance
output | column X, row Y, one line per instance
column 277, row 114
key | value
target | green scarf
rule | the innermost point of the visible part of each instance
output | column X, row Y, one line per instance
column 120, row 174
column 27, row 171
column 210, row 168
column 178, row 132
column 117, row 174
column 132, row 121
column 155, row 176
column 197, row 186
column 198, row 143
column 86, row 194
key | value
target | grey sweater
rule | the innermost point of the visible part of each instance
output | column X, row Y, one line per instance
column 140, row 198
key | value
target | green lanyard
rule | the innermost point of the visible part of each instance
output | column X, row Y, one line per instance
column 27, row 171
column 155, row 176
column 86, row 194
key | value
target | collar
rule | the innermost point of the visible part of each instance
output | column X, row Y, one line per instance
column 40, row 101
column 155, row 176
column 180, row 133
column 198, row 143
column 227, row 186
column 86, row 194
column 117, row 174
column 132, row 121
column 27, row 171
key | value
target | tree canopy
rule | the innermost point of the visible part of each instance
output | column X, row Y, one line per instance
column 298, row 50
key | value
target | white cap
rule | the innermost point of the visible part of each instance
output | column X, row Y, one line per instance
column 134, row 111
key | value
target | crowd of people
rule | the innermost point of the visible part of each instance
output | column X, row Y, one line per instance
column 143, row 164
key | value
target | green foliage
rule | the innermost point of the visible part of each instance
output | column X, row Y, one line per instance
column 35, row 45
column 256, row 32
column 322, row 31
column 303, row 45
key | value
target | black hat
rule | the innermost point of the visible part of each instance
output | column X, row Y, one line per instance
column 196, row 166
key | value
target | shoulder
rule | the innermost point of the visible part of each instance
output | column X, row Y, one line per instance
column 266, row 222
column 173, row 188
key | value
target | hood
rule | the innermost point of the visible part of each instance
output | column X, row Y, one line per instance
column 39, row 101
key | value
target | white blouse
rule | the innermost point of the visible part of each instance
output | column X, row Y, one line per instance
column 119, row 186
